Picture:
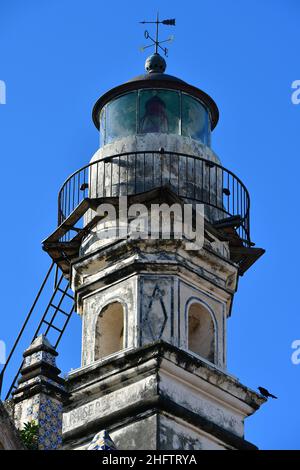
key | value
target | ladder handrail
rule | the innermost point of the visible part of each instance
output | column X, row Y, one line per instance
column 24, row 324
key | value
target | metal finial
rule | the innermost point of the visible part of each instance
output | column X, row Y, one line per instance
column 156, row 42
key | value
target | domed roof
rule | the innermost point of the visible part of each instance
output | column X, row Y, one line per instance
column 155, row 76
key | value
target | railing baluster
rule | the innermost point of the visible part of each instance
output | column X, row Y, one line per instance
column 233, row 196
column 186, row 176
column 202, row 180
column 222, row 185
column 90, row 181
column 209, row 185
column 103, row 179
column 119, row 179
column 78, row 189
column 178, row 169
column 216, row 186
column 73, row 194
column 135, row 166
column 228, row 186
column 161, row 157
column 126, row 174
column 153, row 170
column 170, row 163
column 111, row 178
column 194, row 184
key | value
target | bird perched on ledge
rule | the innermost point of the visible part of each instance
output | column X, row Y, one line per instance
column 265, row 392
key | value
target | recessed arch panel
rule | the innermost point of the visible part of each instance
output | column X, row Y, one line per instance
column 109, row 333
column 201, row 331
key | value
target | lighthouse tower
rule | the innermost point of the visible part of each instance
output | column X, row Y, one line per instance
column 154, row 312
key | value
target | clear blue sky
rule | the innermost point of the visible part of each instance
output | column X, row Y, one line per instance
column 58, row 57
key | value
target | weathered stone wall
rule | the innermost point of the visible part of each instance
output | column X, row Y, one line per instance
column 175, row 434
column 157, row 397
column 9, row 437
column 154, row 142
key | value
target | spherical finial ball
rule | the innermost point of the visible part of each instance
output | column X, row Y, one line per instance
column 155, row 64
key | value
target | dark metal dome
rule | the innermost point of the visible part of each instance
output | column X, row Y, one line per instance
column 155, row 63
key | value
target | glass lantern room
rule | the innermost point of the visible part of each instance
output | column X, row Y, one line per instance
column 154, row 111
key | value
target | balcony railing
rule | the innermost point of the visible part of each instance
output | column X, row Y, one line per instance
column 193, row 178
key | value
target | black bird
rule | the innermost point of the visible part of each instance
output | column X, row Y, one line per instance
column 266, row 393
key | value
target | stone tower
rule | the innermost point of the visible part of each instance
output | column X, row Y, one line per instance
column 154, row 313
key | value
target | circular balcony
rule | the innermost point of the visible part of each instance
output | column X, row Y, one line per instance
column 192, row 178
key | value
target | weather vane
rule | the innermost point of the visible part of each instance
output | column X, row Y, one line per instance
column 156, row 42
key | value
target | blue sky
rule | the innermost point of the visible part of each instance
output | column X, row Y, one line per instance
column 58, row 57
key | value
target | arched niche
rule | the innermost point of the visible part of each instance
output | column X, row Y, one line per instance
column 201, row 331
column 109, row 335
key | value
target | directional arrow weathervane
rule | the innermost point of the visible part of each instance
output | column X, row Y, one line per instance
column 156, row 42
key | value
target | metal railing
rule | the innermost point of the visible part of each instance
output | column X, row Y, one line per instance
column 191, row 177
